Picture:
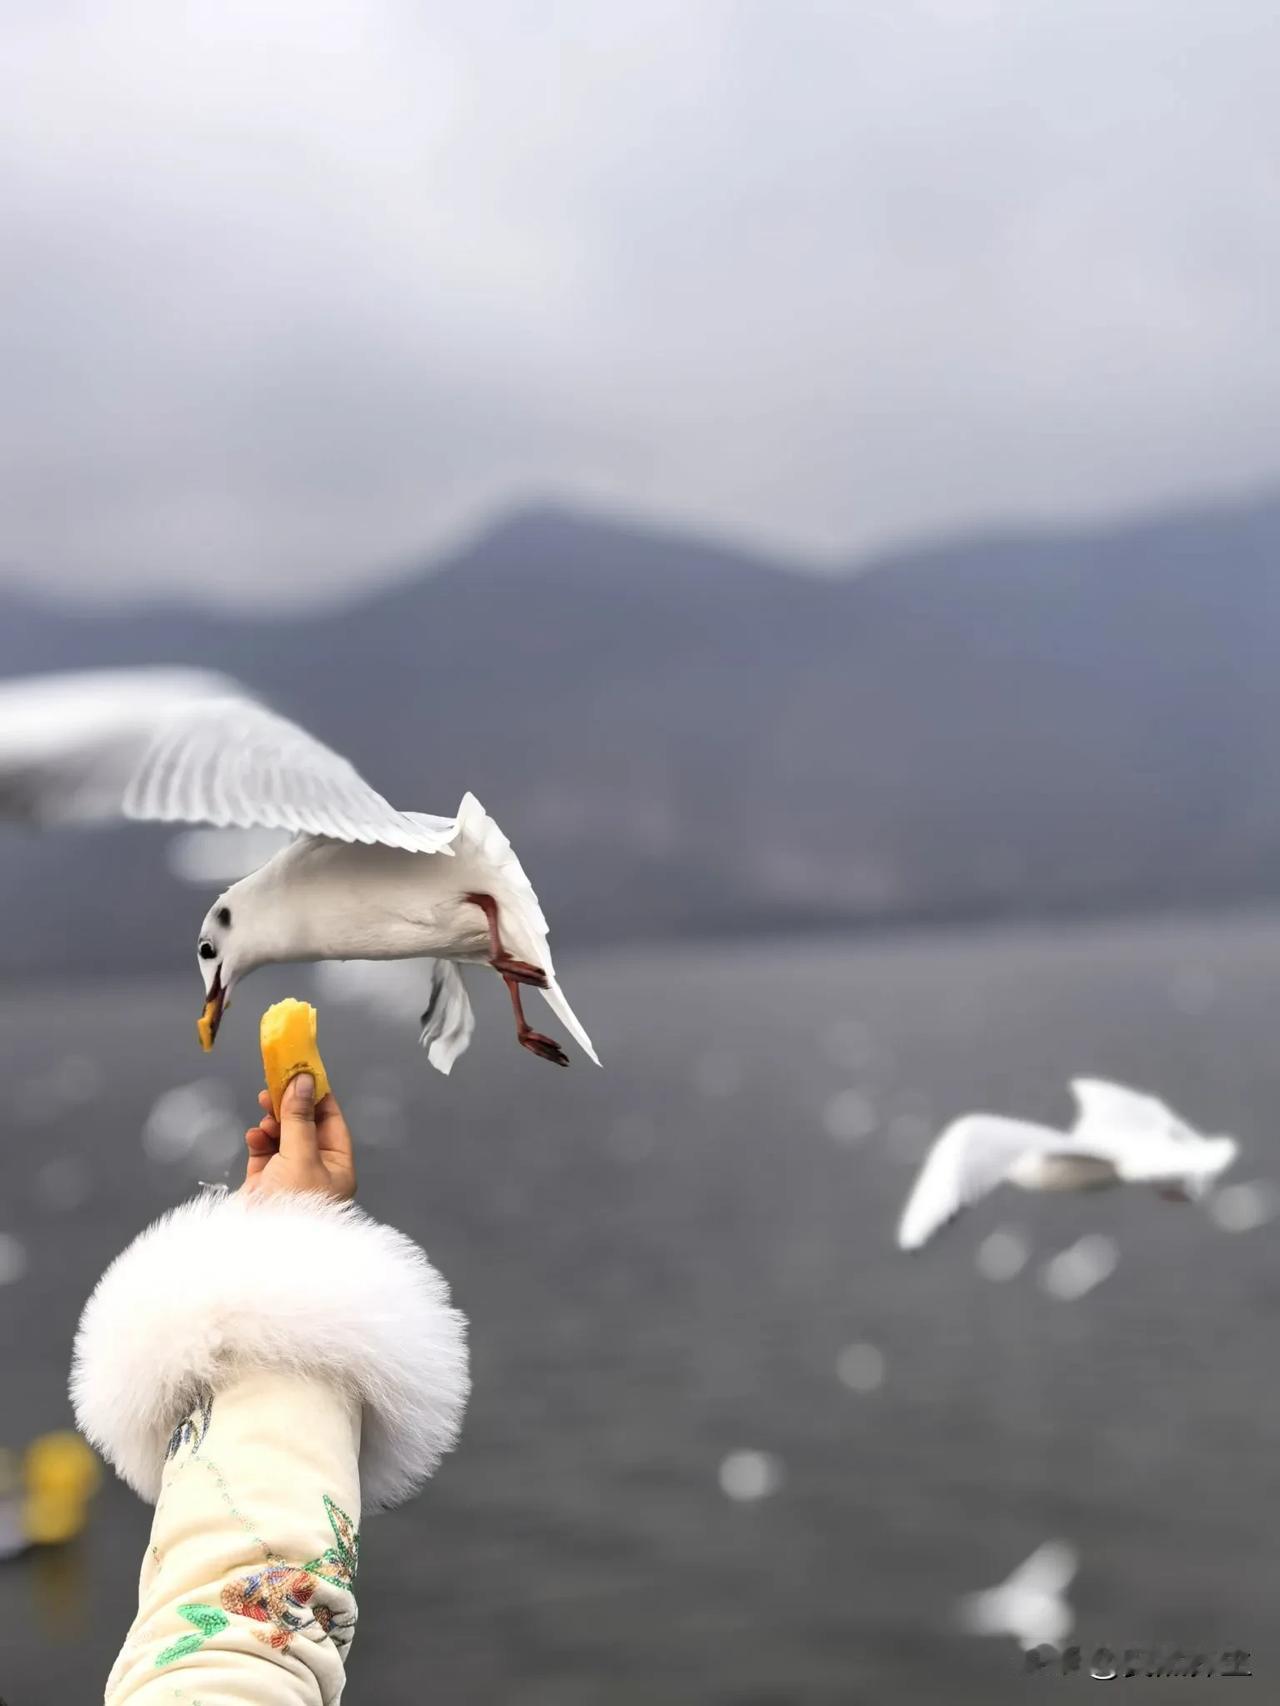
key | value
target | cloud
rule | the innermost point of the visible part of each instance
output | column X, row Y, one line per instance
column 292, row 292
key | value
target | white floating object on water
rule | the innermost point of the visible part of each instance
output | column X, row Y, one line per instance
column 718, row 1073
column 63, row 1184
column 1002, row 1254
column 1031, row 1604
column 861, row 1367
column 849, row 1117
column 194, row 1122
column 1075, row 1271
column 1246, row 1206
column 749, row 1475
column 13, row 1258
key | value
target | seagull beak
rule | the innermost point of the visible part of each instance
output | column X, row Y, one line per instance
column 211, row 1017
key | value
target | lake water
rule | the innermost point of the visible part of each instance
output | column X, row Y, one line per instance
column 666, row 1265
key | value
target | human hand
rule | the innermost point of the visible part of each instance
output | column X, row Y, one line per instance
column 307, row 1149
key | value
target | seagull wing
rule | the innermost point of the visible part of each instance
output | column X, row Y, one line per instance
column 181, row 746
column 70, row 742
column 967, row 1162
column 1137, row 1133
column 233, row 761
column 1050, row 1570
column 1113, row 1106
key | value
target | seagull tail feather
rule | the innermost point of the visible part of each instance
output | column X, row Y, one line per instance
column 524, row 924
column 555, row 999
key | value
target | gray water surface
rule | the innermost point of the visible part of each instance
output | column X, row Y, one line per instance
column 662, row 1264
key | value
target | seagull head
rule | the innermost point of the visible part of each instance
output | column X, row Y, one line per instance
column 216, row 952
column 250, row 924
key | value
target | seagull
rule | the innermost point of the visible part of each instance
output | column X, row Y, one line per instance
column 357, row 880
column 1120, row 1136
column 1031, row 1604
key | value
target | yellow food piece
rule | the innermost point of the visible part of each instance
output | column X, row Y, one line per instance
column 204, row 1028
column 288, row 1038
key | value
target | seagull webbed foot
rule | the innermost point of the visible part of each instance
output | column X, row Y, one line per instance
column 545, row 1047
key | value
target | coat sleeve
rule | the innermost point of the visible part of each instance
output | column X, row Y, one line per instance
column 260, row 1368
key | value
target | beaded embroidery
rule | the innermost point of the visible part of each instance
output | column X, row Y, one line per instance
column 207, row 1619
column 192, row 1429
column 338, row 1563
column 280, row 1594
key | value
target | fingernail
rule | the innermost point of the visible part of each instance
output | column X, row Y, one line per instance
column 304, row 1090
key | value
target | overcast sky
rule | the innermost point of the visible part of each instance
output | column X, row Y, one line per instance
column 293, row 290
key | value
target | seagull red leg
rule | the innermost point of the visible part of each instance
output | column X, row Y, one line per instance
column 501, row 961
column 546, row 1047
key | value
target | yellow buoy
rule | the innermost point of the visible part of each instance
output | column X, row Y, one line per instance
column 61, row 1476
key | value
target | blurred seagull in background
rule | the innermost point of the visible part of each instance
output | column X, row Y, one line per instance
column 1120, row 1137
column 1031, row 1604
column 358, row 879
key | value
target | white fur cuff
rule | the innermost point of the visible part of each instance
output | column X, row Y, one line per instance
column 297, row 1282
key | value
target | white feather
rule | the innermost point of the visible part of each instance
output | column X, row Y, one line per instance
column 447, row 1020
column 1106, row 1107
column 69, row 742
column 231, row 761
column 183, row 746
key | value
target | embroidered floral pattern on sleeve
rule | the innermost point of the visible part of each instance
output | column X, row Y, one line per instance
column 278, row 1595
column 287, row 1599
column 207, row 1619
column 340, row 1562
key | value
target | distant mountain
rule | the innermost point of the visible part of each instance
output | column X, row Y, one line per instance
column 682, row 738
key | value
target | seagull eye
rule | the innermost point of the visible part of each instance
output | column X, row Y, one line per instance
column 208, row 951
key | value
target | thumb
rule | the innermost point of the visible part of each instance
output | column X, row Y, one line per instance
column 298, row 1118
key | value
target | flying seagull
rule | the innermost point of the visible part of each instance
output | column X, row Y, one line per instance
column 1031, row 1604
column 1120, row 1137
column 358, row 880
